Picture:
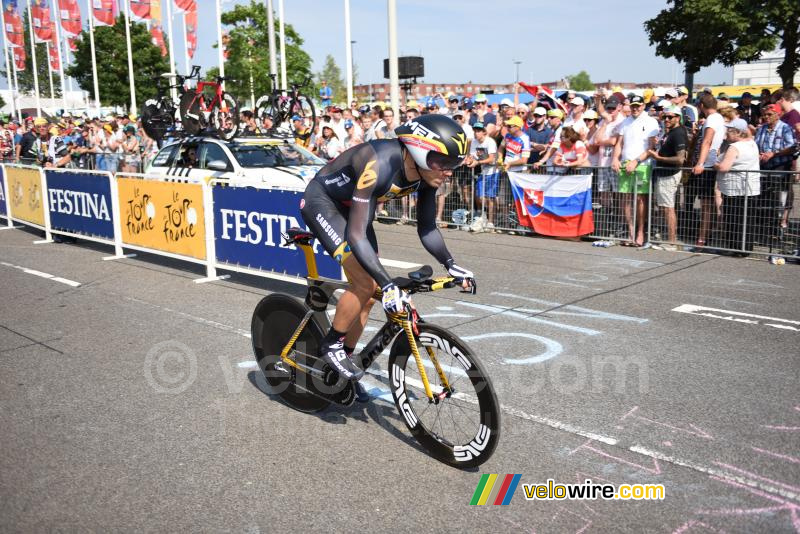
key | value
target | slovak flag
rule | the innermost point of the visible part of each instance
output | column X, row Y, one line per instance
column 554, row 204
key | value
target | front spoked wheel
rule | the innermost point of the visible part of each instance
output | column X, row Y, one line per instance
column 303, row 107
column 225, row 117
column 462, row 429
column 274, row 321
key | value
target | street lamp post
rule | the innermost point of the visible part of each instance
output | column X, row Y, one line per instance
column 517, row 63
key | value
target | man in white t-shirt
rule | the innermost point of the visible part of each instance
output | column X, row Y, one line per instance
column 704, row 177
column 636, row 135
column 483, row 154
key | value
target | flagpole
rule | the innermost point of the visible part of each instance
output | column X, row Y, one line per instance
column 172, row 65
column 283, row 45
column 273, row 67
column 185, row 43
column 131, row 82
column 50, row 74
column 348, row 47
column 6, row 55
column 60, row 57
column 94, row 58
column 33, row 59
column 16, row 91
column 220, row 52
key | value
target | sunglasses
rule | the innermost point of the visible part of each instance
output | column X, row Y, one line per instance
column 521, row 113
column 671, row 116
column 586, row 120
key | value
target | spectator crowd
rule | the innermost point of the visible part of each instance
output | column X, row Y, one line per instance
column 721, row 150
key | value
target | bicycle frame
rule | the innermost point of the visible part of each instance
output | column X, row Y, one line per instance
column 320, row 291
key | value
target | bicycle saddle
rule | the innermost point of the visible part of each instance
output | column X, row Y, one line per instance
column 414, row 278
column 298, row 235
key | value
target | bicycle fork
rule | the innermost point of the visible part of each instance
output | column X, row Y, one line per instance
column 409, row 326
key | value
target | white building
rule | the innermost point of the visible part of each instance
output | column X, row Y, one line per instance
column 763, row 71
column 74, row 100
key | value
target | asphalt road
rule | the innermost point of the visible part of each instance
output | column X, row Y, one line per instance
column 131, row 402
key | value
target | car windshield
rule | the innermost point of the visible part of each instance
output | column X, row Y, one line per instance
column 273, row 155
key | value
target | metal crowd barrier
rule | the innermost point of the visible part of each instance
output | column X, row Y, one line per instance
column 672, row 210
column 211, row 224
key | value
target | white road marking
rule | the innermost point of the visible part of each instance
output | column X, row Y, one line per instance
column 505, row 310
column 40, row 274
column 554, row 348
column 576, row 311
column 399, row 264
column 739, row 317
column 249, row 364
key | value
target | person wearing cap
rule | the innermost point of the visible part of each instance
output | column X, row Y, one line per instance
column 6, row 142
column 131, row 155
column 516, row 146
column 670, row 157
column 325, row 94
column 452, row 105
column 32, row 148
column 337, row 121
column 636, row 135
column 706, row 150
column 738, row 179
column 554, row 122
column 353, row 135
column 776, row 143
column 592, row 120
column 58, row 154
column 328, row 144
column 603, row 141
column 748, row 111
column 575, row 118
column 482, row 113
column 690, row 113
column 302, row 134
column 482, row 159
column 539, row 133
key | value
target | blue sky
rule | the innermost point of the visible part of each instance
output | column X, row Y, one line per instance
column 476, row 40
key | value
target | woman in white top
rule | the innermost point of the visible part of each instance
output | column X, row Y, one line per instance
column 329, row 145
column 739, row 181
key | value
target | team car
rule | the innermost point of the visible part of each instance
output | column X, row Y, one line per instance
column 259, row 162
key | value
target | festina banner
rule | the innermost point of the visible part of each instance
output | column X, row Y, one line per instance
column 19, row 58
column 140, row 10
column 157, row 37
column 42, row 26
column 15, row 33
column 185, row 5
column 105, row 12
column 554, row 204
column 70, row 15
column 52, row 51
column 191, row 31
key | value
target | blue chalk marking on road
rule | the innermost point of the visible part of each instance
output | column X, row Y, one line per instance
column 553, row 348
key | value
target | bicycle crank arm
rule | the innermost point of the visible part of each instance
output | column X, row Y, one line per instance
column 308, row 369
column 344, row 397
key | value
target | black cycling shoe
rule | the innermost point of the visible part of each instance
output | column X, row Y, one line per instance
column 335, row 356
column 361, row 393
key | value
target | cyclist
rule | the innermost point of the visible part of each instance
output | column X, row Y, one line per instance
column 339, row 207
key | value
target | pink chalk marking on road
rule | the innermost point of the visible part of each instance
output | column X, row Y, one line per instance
column 668, row 444
column 787, row 428
column 655, row 470
column 694, row 523
column 776, row 455
column 785, row 505
column 748, row 473
column 697, row 431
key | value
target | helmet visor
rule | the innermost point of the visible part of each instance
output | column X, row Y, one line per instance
column 442, row 162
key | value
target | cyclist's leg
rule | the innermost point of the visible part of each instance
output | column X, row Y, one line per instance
column 353, row 269
column 328, row 222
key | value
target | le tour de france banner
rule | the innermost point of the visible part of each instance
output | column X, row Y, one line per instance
column 165, row 216
column 26, row 200
column 80, row 203
column 3, row 205
column 248, row 224
column 554, row 204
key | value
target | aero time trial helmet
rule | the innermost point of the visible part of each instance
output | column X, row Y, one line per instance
column 434, row 140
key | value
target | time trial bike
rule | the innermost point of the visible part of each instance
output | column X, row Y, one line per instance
column 442, row 391
column 280, row 106
column 208, row 104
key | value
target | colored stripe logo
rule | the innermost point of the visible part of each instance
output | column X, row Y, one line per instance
column 495, row 489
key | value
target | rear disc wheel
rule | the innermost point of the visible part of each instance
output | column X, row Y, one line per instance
column 274, row 321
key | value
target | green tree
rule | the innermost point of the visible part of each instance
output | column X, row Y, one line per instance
column 332, row 74
column 25, row 77
column 701, row 32
column 112, row 63
column 249, row 52
column 580, row 82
